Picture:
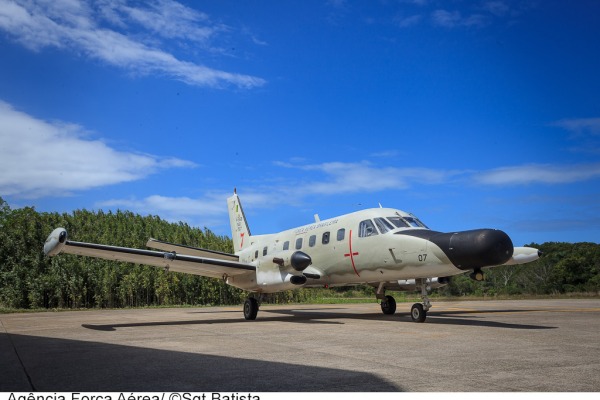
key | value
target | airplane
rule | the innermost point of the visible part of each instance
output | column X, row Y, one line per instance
column 386, row 248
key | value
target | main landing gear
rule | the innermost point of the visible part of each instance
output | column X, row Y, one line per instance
column 388, row 305
column 250, row 308
column 418, row 311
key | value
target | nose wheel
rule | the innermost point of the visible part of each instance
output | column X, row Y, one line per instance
column 418, row 311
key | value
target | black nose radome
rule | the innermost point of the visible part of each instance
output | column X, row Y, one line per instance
column 475, row 249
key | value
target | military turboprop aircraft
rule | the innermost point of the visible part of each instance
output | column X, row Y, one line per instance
column 386, row 248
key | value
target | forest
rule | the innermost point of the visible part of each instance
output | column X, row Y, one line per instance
column 30, row 280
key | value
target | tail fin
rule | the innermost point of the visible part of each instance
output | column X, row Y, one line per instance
column 240, row 233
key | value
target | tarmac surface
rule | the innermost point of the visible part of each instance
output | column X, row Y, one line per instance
column 533, row 345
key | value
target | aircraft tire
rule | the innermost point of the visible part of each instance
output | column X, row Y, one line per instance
column 250, row 308
column 418, row 313
column 388, row 306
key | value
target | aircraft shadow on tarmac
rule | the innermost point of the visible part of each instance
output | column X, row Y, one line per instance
column 60, row 365
column 329, row 316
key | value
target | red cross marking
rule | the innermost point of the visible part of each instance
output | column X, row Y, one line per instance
column 351, row 254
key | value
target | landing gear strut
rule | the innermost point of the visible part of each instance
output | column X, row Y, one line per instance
column 418, row 311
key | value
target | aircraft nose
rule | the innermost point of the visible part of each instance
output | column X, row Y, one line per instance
column 476, row 248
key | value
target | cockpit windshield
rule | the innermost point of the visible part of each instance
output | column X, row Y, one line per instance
column 406, row 222
column 398, row 222
column 383, row 225
column 413, row 222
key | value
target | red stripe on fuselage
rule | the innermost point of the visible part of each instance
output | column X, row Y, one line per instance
column 351, row 254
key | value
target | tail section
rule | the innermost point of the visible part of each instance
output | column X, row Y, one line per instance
column 240, row 233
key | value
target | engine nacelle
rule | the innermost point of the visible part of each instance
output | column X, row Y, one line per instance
column 297, row 262
column 55, row 242
column 300, row 261
column 271, row 281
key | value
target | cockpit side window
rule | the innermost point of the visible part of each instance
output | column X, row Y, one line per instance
column 414, row 222
column 418, row 221
column 383, row 225
column 366, row 228
column 398, row 222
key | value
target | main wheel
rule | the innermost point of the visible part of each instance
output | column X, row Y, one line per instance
column 418, row 313
column 388, row 305
column 250, row 308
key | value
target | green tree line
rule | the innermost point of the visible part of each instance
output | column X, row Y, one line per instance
column 563, row 268
column 30, row 280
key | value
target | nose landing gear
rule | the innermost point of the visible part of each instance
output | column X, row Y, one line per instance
column 418, row 311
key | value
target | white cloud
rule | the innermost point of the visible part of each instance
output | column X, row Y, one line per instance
column 498, row 8
column 584, row 132
column 580, row 126
column 343, row 177
column 74, row 26
column 539, row 173
column 163, row 17
column 406, row 22
column 173, row 208
column 340, row 177
column 40, row 158
column 452, row 19
column 209, row 210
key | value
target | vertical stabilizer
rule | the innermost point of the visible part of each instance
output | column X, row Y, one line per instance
column 240, row 233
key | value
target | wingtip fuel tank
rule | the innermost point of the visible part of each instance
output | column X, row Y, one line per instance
column 55, row 242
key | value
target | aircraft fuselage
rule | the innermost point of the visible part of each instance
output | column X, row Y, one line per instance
column 348, row 250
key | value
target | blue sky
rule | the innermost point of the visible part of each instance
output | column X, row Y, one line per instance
column 470, row 114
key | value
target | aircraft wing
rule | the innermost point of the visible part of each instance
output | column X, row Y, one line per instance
column 188, row 250
column 190, row 264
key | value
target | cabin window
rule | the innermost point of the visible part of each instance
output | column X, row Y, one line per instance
column 325, row 238
column 256, row 254
column 286, row 245
column 298, row 243
column 399, row 222
column 312, row 240
column 341, row 233
column 265, row 251
column 366, row 229
column 383, row 225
